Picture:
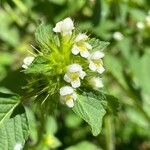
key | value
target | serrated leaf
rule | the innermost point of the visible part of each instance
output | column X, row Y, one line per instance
column 8, row 102
column 97, row 44
column 109, row 102
column 45, row 38
column 13, row 132
column 91, row 110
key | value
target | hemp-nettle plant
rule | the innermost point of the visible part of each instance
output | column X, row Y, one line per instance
column 63, row 71
column 70, row 62
column 67, row 69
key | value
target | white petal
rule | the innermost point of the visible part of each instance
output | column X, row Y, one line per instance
column 74, row 68
column 65, row 26
column 18, row 146
column 85, row 54
column 24, row 66
column 97, row 55
column 96, row 82
column 58, row 27
column 28, row 60
column 118, row 36
column 66, row 78
column 75, row 50
column 147, row 18
column 92, row 66
column 74, row 96
column 99, row 84
column 82, row 74
column 140, row 25
column 80, row 37
column 76, row 83
column 101, row 69
column 65, row 90
column 70, row 103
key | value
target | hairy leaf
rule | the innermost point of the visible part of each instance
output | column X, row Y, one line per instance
column 46, row 39
column 8, row 103
column 14, row 132
column 42, row 36
column 91, row 110
column 97, row 44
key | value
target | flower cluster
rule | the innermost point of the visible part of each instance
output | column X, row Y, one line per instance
column 75, row 72
column 79, row 63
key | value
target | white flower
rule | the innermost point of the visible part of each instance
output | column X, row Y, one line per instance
column 18, row 146
column 65, row 27
column 118, row 36
column 73, row 75
column 81, row 46
column 96, row 82
column 67, row 96
column 95, row 62
column 27, row 61
column 140, row 25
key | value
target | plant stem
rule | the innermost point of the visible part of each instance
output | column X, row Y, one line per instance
column 109, row 133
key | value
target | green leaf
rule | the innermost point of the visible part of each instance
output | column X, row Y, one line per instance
column 51, row 125
column 32, row 124
column 6, row 58
column 58, row 2
column 83, row 145
column 137, row 14
column 8, row 103
column 97, row 44
column 137, row 117
column 44, row 37
column 6, row 33
column 112, row 104
column 114, row 65
column 14, row 131
column 91, row 110
column 3, row 72
column 141, row 70
column 109, row 102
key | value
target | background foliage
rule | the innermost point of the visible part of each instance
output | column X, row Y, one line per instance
column 127, row 73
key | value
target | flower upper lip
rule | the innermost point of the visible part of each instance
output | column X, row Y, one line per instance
column 65, row 26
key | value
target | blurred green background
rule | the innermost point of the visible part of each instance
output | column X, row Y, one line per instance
column 126, row 25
